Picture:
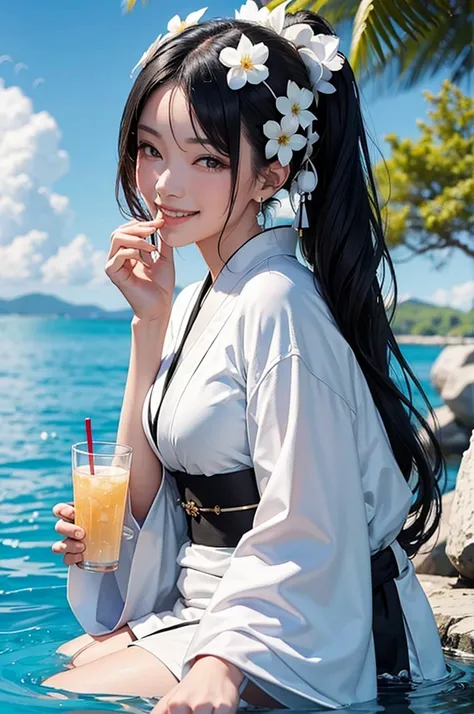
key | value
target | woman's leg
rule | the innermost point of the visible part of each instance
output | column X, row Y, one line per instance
column 131, row 671
column 88, row 648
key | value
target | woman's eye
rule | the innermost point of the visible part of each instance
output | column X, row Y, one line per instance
column 212, row 163
column 153, row 153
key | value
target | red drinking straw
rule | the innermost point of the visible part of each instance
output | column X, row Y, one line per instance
column 90, row 447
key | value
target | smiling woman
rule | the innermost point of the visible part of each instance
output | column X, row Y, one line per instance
column 279, row 484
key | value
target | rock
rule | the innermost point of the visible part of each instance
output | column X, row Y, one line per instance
column 450, row 359
column 460, row 540
column 432, row 559
column 458, row 394
column 453, row 437
column 453, row 608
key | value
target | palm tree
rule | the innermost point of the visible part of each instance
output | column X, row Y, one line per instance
column 402, row 40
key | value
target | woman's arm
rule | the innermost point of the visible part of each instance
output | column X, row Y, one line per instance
column 145, row 358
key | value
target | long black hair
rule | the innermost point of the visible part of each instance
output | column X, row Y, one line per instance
column 344, row 244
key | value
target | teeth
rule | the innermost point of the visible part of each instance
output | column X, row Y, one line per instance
column 175, row 214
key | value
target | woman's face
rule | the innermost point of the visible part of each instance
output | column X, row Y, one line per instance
column 177, row 174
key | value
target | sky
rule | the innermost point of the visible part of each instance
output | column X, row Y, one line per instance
column 61, row 100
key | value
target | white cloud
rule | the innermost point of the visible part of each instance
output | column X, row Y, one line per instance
column 76, row 263
column 36, row 239
column 21, row 259
column 459, row 296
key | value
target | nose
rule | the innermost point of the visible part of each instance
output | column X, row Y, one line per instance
column 169, row 184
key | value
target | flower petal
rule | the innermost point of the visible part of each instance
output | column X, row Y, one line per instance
column 276, row 18
column 248, row 12
column 236, row 77
column 245, row 47
column 258, row 74
column 259, row 53
column 305, row 117
column 313, row 64
column 306, row 98
column 283, row 105
column 297, row 142
column 325, row 87
column 289, row 124
column 327, row 74
column 293, row 92
column 285, row 155
column 174, row 23
column 299, row 34
column 335, row 64
column 229, row 57
column 271, row 148
column 328, row 45
column 272, row 129
column 194, row 17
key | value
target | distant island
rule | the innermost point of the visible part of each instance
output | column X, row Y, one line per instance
column 413, row 318
column 41, row 305
column 424, row 319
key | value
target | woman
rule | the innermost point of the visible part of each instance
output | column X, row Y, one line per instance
column 265, row 389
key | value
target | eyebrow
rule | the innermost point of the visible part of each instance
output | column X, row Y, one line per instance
column 191, row 140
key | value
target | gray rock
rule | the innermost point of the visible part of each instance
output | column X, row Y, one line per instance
column 453, row 608
column 452, row 436
column 450, row 359
column 432, row 559
column 460, row 540
column 458, row 394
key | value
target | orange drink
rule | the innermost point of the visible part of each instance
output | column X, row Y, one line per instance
column 99, row 501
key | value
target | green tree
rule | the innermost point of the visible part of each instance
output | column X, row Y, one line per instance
column 404, row 40
column 429, row 187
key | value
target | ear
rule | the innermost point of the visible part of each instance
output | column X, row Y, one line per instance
column 270, row 180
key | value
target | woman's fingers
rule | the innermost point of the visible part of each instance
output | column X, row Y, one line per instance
column 117, row 262
column 70, row 530
column 68, row 546
column 139, row 228
column 64, row 511
column 71, row 559
column 122, row 240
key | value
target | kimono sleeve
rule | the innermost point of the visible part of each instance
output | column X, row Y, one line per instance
column 146, row 579
column 294, row 609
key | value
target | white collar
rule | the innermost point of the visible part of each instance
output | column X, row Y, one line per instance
column 281, row 240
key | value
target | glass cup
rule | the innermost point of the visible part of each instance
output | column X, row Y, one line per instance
column 99, row 501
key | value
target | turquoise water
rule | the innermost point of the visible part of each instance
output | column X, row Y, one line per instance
column 53, row 373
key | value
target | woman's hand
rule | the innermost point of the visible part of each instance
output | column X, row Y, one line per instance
column 146, row 283
column 72, row 546
column 211, row 685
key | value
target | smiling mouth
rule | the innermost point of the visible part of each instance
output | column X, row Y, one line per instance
column 176, row 214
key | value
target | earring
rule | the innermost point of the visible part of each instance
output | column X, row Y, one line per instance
column 261, row 215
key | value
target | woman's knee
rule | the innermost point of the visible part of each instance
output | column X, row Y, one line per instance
column 131, row 672
column 70, row 648
column 88, row 648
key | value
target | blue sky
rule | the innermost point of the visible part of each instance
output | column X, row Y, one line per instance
column 81, row 55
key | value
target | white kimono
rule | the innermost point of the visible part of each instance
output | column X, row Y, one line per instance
column 267, row 380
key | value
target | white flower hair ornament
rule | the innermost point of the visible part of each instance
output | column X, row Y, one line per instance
column 246, row 64
column 175, row 26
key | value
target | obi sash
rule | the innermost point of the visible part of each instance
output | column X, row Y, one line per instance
column 205, row 500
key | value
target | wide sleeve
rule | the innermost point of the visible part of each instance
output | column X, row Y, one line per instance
column 145, row 581
column 293, row 611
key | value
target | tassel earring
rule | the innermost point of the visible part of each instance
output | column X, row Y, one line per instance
column 301, row 219
column 261, row 215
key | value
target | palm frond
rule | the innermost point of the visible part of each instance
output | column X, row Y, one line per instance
column 381, row 26
column 447, row 45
